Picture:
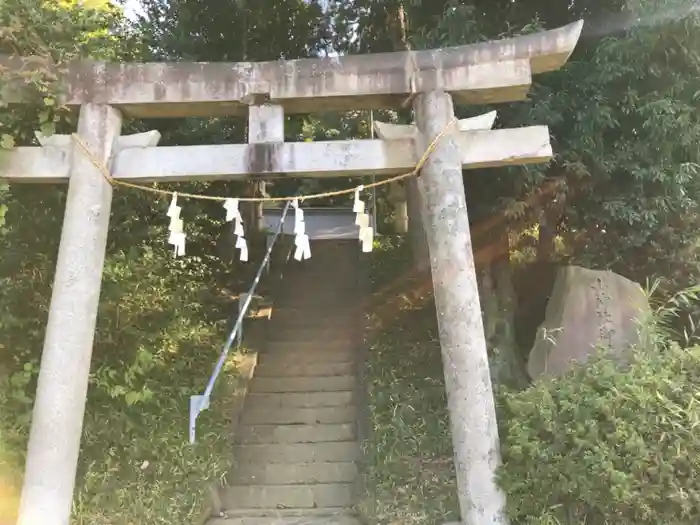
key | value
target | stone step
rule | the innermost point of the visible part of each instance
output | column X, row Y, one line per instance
column 305, row 352
column 337, row 512
column 318, row 284
column 342, row 299
column 331, row 452
column 302, row 384
column 293, row 474
column 273, row 368
column 319, row 309
column 323, row 263
column 300, row 306
column 327, row 318
column 298, row 416
column 299, row 400
column 320, row 334
column 295, row 496
column 260, row 434
column 331, row 345
column 328, row 516
column 303, row 358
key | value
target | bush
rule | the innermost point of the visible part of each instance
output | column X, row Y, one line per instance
column 606, row 446
column 160, row 329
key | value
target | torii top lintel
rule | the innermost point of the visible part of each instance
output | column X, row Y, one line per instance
column 489, row 72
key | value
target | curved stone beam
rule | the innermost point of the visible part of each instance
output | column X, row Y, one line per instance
column 389, row 131
column 488, row 72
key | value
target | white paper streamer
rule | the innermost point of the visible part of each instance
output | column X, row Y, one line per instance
column 177, row 236
column 238, row 228
column 367, row 238
column 232, row 211
column 242, row 244
column 177, row 239
column 303, row 248
column 359, row 205
column 301, row 239
column 362, row 220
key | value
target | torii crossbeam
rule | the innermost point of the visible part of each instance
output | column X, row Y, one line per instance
column 482, row 73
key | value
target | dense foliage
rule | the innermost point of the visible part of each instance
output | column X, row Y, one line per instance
column 603, row 446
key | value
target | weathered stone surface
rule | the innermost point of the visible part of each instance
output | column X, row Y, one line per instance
column 303, row 384
column 478, row 149
column 294, row 473
column 390, row 131
column 298, row 496
column 298, row 433
column 299, row 416
column 588, row 309
column 487, row 72
column 342, row 451
column 287, row 517
column 300, row 399
column 275, row 369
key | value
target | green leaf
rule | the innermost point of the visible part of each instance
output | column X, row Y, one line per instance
column 48, row 129
column 132, row 398
column 7, row 141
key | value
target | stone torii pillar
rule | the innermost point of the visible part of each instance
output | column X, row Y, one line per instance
column 59, row 405
column 462, row 341
column 57, row 420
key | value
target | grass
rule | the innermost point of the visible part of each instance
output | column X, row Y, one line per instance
column 410, row 475
column 160, row 330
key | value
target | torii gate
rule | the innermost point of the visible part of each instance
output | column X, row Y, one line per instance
column 490, row 72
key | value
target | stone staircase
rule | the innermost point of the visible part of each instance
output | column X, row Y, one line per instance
column 297, row 447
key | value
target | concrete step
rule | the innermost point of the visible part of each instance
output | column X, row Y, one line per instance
column 322, row 263
column 327, row 512
column 299, row 306
column 300, row 400
column 273, row 368
column 331, row 452
column 306, row 352
column 289, row 332
column 320, row 284
column 322, row 517
column 299, row 416
column 343, row 299
column 302, row 384
column 320, row 319
column 293, row 474
column 294, row 496
column 260, row 434
column 303, row 358
column 333, row 345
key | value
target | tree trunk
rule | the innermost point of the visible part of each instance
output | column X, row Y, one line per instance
column 398, row 24
column 545, row 242
column 416, row 230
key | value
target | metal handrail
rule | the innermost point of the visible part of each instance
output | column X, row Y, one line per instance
column 198, row 403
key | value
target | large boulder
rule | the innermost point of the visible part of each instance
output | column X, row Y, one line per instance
column 587, row 310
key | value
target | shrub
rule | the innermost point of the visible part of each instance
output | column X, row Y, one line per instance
column 604, row 446
column 160, row 329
